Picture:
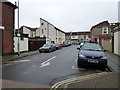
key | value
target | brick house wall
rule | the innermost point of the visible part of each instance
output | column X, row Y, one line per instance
column 8, row 22
column 0, row 14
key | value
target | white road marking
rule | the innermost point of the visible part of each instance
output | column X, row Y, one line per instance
column 75, row 60
column 47, row 62
column 73, row 67
column 7, row 64
column 21, row 61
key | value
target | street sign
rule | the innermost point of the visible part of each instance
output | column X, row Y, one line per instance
column 18, row 34
column 1, row 27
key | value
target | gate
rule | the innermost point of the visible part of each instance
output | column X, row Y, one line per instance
column 35, row 44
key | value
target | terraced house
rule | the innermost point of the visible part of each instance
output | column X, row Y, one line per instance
column 50, row 32
column 101, row 32
column 76, row 37
column 116, row 31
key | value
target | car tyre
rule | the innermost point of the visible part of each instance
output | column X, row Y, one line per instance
column 40, row 51
column 79, row 65
column 103, row 69
column 49, row 50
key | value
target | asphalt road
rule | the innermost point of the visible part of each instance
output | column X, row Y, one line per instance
column 46, row 68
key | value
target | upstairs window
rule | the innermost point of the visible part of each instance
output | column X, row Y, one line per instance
column 42, row 23
column 104, row 30
column 42, row 31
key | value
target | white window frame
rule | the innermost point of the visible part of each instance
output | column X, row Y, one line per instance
column 103, row 28
column 42, row 31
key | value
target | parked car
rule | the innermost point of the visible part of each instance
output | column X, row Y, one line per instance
column 65, row 44
column 47, row 47
column 58, row 46
column 81, row 44
column 91, row 54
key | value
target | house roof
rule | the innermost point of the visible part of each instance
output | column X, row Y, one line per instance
column 77, row 33
column 104, row 23
column 59, row 30
column 9, row 3
column 47, row 22
column 4, row 1
column 32, row 29
column 52, row 25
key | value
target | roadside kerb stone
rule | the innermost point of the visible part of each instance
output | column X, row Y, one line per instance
column 97, row 80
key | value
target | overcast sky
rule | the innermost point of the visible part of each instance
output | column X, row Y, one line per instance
column 67, row 15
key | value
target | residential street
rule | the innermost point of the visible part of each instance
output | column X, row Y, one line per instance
column 46, row 68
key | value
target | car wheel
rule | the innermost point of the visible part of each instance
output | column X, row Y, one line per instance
column 79, row 65
column 49, row 50
column 39, row 51
column 103, row 69
column 55, row 49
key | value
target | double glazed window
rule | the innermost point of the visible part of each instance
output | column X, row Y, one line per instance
column 104, row 30
column 42, row 31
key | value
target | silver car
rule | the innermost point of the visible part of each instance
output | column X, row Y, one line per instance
column 47, row 48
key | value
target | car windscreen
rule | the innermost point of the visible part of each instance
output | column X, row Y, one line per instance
column 91, row 46
column 46, row 45
column 56, row 44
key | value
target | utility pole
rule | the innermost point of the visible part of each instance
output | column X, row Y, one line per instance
column 70, row 37
column 18, row 34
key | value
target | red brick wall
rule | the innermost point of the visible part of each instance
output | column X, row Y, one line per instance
column 0, row 14
column 8, row 23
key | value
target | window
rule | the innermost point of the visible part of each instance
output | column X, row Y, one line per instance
column 42, row 31
column 104, row 30
column 22, row 38
column 42, row 23
column 56, row 32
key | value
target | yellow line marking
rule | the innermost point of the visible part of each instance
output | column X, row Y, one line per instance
column 55, row 86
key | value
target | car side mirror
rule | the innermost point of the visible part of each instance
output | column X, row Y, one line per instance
column 78, row 48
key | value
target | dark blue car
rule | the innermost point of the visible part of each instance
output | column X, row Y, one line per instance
column 91, row 54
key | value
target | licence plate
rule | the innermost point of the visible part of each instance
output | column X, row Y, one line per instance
column 92, row 61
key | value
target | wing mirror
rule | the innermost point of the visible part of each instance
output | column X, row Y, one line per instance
column 78, row 48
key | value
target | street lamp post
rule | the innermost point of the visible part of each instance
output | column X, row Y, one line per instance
column 18, row 34
column 70, row 37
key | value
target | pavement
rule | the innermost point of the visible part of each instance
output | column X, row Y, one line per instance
column 11, row 57
column 15, row 84
column 97, row 80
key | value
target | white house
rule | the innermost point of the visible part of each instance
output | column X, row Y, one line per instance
column 117, row 39
column 25, row 34
column 28, row 30
column 76, row 37
column 51, row 33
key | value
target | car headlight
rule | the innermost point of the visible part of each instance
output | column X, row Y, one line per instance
column 80, row 55
column 104, row 57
